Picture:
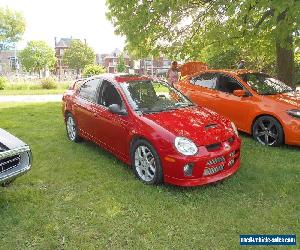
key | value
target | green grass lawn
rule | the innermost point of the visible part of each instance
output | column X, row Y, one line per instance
column 78, row 196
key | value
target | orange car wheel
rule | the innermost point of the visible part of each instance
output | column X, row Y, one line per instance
column 268, row 131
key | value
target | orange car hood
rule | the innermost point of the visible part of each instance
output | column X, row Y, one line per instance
column 291, row 99
column 191, row 68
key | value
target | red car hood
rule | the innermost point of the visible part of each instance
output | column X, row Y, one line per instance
column 198, row 124
column 291, row 98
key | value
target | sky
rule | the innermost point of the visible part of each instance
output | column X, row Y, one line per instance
column 46, row 19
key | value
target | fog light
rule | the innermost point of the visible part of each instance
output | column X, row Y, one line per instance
column 188, row 169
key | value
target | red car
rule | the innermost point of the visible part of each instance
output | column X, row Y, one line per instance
column 154, row 128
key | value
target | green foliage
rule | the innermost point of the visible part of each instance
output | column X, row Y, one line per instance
column 225, row 60
column 48, row 83
column 204, row 30
column 78, row 55
column 121, row 67
column 3, row 81
column 93, row 69
column 186, row 26
column 297, row 68
column 258, row 55
column 12, row 26
column 37, row 56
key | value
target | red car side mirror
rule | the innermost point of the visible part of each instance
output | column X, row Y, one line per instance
column 239, row 93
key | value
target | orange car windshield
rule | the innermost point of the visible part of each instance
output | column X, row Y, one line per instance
column 264, row 84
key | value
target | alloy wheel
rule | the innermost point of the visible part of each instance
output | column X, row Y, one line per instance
column 266, row 132
column 71, row 128
column 144, row 163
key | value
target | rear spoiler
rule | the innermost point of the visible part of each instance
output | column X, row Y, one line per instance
column 191, row 68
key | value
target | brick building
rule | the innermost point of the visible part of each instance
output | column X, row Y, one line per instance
column 8, row 61
column 110, row 61
column 62, row 71
column 141, row 66
column 159, row 66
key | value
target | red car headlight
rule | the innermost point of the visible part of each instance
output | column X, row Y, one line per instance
column 185, row 146
column 234, row 128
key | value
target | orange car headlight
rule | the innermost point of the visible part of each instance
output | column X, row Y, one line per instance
column 294, row 113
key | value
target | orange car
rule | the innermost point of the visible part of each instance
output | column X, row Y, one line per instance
column 257, row 103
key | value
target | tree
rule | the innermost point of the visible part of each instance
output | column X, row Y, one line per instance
column 93, row 69
column 121, row 67
column 188, row 29
column 78, row 55
column 37, row 56
column 12, row 27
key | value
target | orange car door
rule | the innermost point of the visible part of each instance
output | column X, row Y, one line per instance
column 236, row 108
column 201, row 90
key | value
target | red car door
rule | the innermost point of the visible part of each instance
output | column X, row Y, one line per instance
column 112, row 130
column 84, row 106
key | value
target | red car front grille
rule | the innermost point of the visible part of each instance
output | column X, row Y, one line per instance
column 213, row 170
column 215, row 161
column 220, row 163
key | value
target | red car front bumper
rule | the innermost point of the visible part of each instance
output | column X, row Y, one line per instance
column 208, row 167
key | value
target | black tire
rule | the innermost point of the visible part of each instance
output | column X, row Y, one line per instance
column 74, row 135
column 146, row 175
column 7, row 183
column 268, row 131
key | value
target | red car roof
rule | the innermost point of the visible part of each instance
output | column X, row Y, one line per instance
column 129, row 78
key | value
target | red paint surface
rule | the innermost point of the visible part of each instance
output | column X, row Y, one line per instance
column 115, row 133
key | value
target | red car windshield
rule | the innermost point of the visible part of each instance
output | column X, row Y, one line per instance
column 153, row 96
column 264, row 84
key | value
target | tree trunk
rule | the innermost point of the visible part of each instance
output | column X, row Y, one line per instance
column 285, row 62
column 285, row 56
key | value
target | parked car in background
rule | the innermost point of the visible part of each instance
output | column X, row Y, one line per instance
column 15, row 157
column 257, row 103
column 154, row 128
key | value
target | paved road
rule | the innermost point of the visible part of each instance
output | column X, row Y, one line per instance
column 31, row 98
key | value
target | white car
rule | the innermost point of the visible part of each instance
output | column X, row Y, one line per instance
column 15, row 157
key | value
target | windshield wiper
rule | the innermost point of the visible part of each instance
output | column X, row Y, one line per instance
column 183, row 105
column 151, row 111
column 270, row 93
column 286, row 91
column 157, row 110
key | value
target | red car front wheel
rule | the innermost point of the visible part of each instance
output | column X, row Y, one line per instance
column 146, row 163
